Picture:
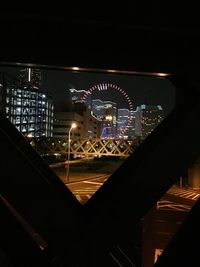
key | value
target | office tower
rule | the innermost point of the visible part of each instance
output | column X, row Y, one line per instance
column 147, row 117
column 106, row 112
column 28, row 108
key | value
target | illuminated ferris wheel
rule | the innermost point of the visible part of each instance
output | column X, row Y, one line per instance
column 102, row 88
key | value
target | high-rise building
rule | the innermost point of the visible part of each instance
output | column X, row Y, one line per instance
column 28, row 108
column 147, row 118
column 126, row 124
column 122, row 120
column 106, row 112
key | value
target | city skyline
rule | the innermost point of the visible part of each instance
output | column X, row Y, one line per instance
column 153, row 90
column 25, row 104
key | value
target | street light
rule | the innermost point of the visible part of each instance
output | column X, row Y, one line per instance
column 73, row 126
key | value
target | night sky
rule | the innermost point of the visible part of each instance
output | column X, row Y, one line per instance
column 153, row 90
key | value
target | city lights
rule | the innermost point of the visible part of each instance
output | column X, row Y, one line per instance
column 73, row 126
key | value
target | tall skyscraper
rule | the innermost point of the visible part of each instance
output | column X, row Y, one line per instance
column 106, row 112
column 28, row 108
column 123, row 125
column 147, row 117
column 122, row 120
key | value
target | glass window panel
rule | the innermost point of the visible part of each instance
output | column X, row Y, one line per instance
column 113, row 113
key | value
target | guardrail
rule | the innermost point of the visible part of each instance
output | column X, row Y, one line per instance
column 86, row 147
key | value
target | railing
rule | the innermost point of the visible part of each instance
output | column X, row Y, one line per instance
column 85, row 147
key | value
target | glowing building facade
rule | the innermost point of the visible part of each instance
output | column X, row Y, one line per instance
column 29, row 109
column 123, row 119
column 106, row 113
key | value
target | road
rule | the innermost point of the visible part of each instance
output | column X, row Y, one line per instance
column 164, row 220
column 83, row 190
column 85, row 177
column 159, row 224
column 178, row 198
